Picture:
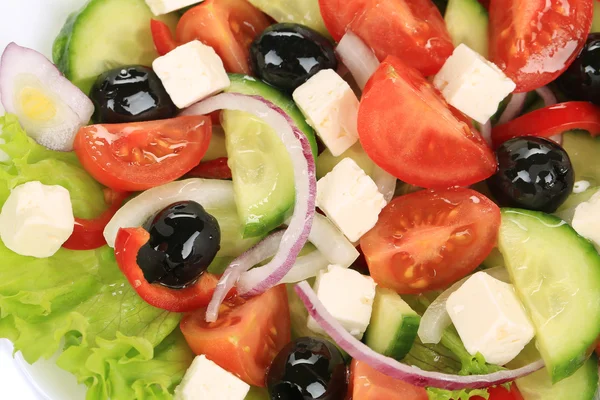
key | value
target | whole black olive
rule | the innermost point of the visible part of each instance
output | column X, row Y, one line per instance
column 308, row 369
column 534, row 173
column 287, row 55
column 184, row 240
column 130, row 94
column 581, row 81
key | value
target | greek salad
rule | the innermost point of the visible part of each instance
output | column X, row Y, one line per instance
column 315, row 199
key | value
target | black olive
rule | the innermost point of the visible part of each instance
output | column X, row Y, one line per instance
column 130, row 94
column 287, row 55
column 581, row 81
column 184, row 240
column 307, row 369
column 534, row 173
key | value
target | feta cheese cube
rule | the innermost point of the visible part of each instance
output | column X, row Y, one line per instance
column 160, row 7
column 348, row 296
column 472, row 84
column 586, row 219
column 331, row 108
column 191, row 72
column 350, row 198
column 205, row 380
column 36, row 219
column 490, row 319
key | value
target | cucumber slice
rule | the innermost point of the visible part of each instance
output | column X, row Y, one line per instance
column 584, row 151
column 566, row 211
column 304, row 12
column 596, row 20
column 580, row 386
column 394, row 325
column 232, row 241
column 105, row 34
column 467, row 22
column 263, row 176
column 326, row 161
column 217, row 147
column 556, row 274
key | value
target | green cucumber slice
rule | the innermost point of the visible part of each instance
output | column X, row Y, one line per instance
column 467, row 22
column 393, row 326
column 233, row 243
column 263, row 176
column 105, row 34
column 327, row 161
column 304, row 12
column 583, row 150
column 556, row 274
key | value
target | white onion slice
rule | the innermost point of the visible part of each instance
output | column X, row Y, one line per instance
column 306, row 267
column 386, row 182
column 210, row 193
column 357, row 57
column 393, row 368
column 547, row 96
column 436, row 319
column 332, row 243
column 30, row 83
column 486, row 132
column 258, row 280
column 513, row 108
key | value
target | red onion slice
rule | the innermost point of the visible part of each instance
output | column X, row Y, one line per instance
column 261, row 279
column 395, row 369
column 28, row 79
column 513, row 108
column 357, row 57
column 306, row 267
column 486, row 132
column 547, row 96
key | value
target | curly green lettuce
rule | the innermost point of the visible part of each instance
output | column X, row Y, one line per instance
column 78, row 302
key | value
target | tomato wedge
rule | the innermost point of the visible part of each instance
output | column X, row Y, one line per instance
column 407, row 128
column 213, row 169
column 88, row 234
column 534, row 41
column 141, row 155
column 162, row 37
column 127, row 246
column 550, row 121
column 365, row 383
column 246, row 337
column 428, row 239
column 412, row 30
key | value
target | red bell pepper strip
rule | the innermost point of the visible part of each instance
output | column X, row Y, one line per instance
column 214, row 169
column 127, row 245
column 162, row 36
column 88, row 234
column 550, row 121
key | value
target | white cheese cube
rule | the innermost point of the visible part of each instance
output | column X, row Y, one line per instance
column 348, row 296
column 472, row 84
column 205, row 380
column 36, row 219
column 490, row 319
column 160, row 7
column 350, row 198
column 191, row 72
column 586, row 219
column 331, row 108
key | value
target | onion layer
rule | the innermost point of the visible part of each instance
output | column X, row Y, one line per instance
column 547, row 96
column 514, row 108
column 395, row 369
column 259, row 280
column 357, row 57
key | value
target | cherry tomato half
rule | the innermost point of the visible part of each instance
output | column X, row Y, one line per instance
column 428, row 239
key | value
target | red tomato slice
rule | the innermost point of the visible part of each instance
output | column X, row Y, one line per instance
column 213, row 169
column 246, row 337
column 429, row 239
column 550, row 121
column 534, row 41
column 501, row 393
column 141, row 155
column 228, row 26
column 162, row 37
column 368, row 384
column 412, row 30
column 407, row 128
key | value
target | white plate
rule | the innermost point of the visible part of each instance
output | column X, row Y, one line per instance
column 34, row 24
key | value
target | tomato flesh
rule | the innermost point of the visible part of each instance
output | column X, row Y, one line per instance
column 534, row 41
column 246, row 337
column 429, row 239
column 141, row 155
column 368, row 384
column 501, row 393
column 407, row 128
column 411, row 30
column 228, row 26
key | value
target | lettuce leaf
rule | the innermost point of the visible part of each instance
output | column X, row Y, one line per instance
column 78, row 302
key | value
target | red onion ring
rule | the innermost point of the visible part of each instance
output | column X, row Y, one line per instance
column 395, row 369
column 295, row 236
column 547, row 95
column 513, row 108
column 357, row 57
column 486, row 132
